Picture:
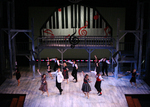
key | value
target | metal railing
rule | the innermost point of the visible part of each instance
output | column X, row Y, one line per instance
column 86, row 41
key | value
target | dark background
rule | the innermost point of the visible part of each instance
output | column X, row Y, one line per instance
column 21, row 14
column 22, row 17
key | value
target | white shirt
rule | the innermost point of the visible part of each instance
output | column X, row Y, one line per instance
column 59, row 75
column 55, row 60
column 73, row 64
column 106, row 61
column 94, row 72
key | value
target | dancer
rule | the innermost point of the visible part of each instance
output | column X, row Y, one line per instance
column 16, row 66
column 97, row 65
column 59, row 79
column 104, row 65
column 133, row 78
column 98, row 82
column 85, row 86
column 44, row 86
column 65, row 72
column 75, row 69
column 57, row 64
column 48, row 68
column 18, row 75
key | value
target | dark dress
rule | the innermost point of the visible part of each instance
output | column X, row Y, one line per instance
column 55, row 66
column 97, row 67
column 49, row 71
column 85, row 86
column 104, row 67
column 18, row 75
column 133, row 79
column 65, row 73
column 43, row 86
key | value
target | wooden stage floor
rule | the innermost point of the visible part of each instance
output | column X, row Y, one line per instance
column 113, row 90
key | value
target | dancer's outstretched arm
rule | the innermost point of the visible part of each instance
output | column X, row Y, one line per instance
column 107, row 61
column 95, row 56
column 94, row 72
column 70, row 62
column 39, row 72
column 101, row 60
column 129, row 71
column 83, row 73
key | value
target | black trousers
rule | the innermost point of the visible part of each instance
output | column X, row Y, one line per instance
column 74, row 74
column 98, row 86
column 97, row 70
column 55, row 67
column 104, row 68
column 58, row 85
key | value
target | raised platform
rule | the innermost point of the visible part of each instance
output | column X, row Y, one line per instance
column 113, row 91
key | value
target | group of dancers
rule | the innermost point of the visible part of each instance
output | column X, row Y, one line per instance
column 62, row 76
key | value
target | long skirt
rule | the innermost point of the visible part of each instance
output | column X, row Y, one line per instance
column 86, row 87
column 43, row 87
column 65, row 74
column 133, row 79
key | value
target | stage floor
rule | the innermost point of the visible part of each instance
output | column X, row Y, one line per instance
column 113, row 91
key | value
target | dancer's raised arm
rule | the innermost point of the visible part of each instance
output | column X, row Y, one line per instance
column 83, row 73
column 94, row 72
column 70, row 62
column 39, row 72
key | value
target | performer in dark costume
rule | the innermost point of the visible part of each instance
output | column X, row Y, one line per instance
column 59, row 79
column 44, row 86
column 48, row 68
column 75, row 69
column 133, row 78
column 65, row 72
column 104, row 65
column 57, row 64
column 98, row 82
column 97, row 65
column 18, row 75
column 85, row 86
column 16, row 66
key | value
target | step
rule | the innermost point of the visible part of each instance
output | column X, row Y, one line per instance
column 14, row 102
column 136, row 102
column 130, row 101
column 21, row 101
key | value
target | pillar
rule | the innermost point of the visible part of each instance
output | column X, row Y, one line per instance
column 33, row 67
column 141, row 39
column 62, row 56
column 89, row 57
column 147, row 59
column 117, row 49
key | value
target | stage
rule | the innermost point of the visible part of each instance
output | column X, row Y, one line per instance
column 113, row 90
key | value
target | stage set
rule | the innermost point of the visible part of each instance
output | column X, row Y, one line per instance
column 114, row 91
column 74, row 30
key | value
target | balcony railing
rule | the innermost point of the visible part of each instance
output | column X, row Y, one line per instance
column 84, row 42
